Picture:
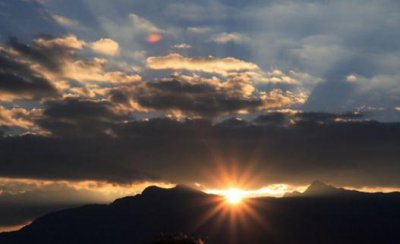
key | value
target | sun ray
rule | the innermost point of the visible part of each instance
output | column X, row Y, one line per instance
column 234, row 196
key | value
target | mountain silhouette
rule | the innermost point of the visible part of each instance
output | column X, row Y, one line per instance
column 319, row 188
column 322, row 214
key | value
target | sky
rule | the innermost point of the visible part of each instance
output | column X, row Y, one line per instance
column 99, row 99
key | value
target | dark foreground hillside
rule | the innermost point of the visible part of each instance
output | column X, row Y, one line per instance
column 322, row 214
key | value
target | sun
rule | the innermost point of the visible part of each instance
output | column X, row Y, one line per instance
column 234, row 196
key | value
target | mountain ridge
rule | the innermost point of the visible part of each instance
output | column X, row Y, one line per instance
column 356, row 218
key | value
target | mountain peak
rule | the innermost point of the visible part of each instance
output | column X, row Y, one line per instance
column 156, row 192
column 178, row 189
column 181, row 209
column 318, row 188
column 318, row 183
column 292, row 194
column 150, row 190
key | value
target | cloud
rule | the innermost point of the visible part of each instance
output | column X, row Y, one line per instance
column 351, row 78
column 19, row 117
column 64, row 21
column 46, row 55
column 352, row 92
column 309, row 36
column 236, row 91
column 22, row 200
column 13, row 87
column 93, row 71
column 312, row 37
column 19, row 81
column 241, row 87
column 105, row 46
column 144, row 24
column 182, row 46
column 68, row 42
column 86, row 117
column 313, row 49
column 198, row 30
column 52, row 66
column 277, row 76
column 277, row 98
column 197, row 96
column 224, row 37
column 46, row 52
column 220, row 66
column 196, row 12
column 311, row 144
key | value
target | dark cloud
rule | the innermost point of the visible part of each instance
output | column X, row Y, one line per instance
column 73, row 109
column 233, row 122
column 320, row 117
column 70, row 158
column 18, row 79
column 207, row 97
column 293, row 117
column 273, row 118
column 23, row 200
column 119, row 96
column 46, row 50
column 35, row 86
column 347, row 152
column 83, row 117
column 46, row 56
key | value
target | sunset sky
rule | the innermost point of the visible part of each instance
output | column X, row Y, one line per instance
column 99, row 99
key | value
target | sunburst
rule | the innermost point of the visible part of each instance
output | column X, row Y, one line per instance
column 234, row 196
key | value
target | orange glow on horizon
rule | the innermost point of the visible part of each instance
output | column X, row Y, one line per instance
column 234, row 196
column 101, row 191
column 232, row 206
column 13, row 227
column 273, row 190
column 234, row 211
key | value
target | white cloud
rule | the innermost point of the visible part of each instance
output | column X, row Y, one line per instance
column 220, row 66
column 69, row 41
column 105, row 46
column 198, row 30
column 182, row 46
column 64, row 21
column 144, row 24
column 351, row 78
column 224, row 37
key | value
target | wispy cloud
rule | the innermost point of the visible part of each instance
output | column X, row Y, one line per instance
column 144, row 24
column 224, row 37
column 64, row 21
column 221, row 66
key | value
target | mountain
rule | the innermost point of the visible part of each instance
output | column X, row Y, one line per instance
column 320, row 189
column 322, row 214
